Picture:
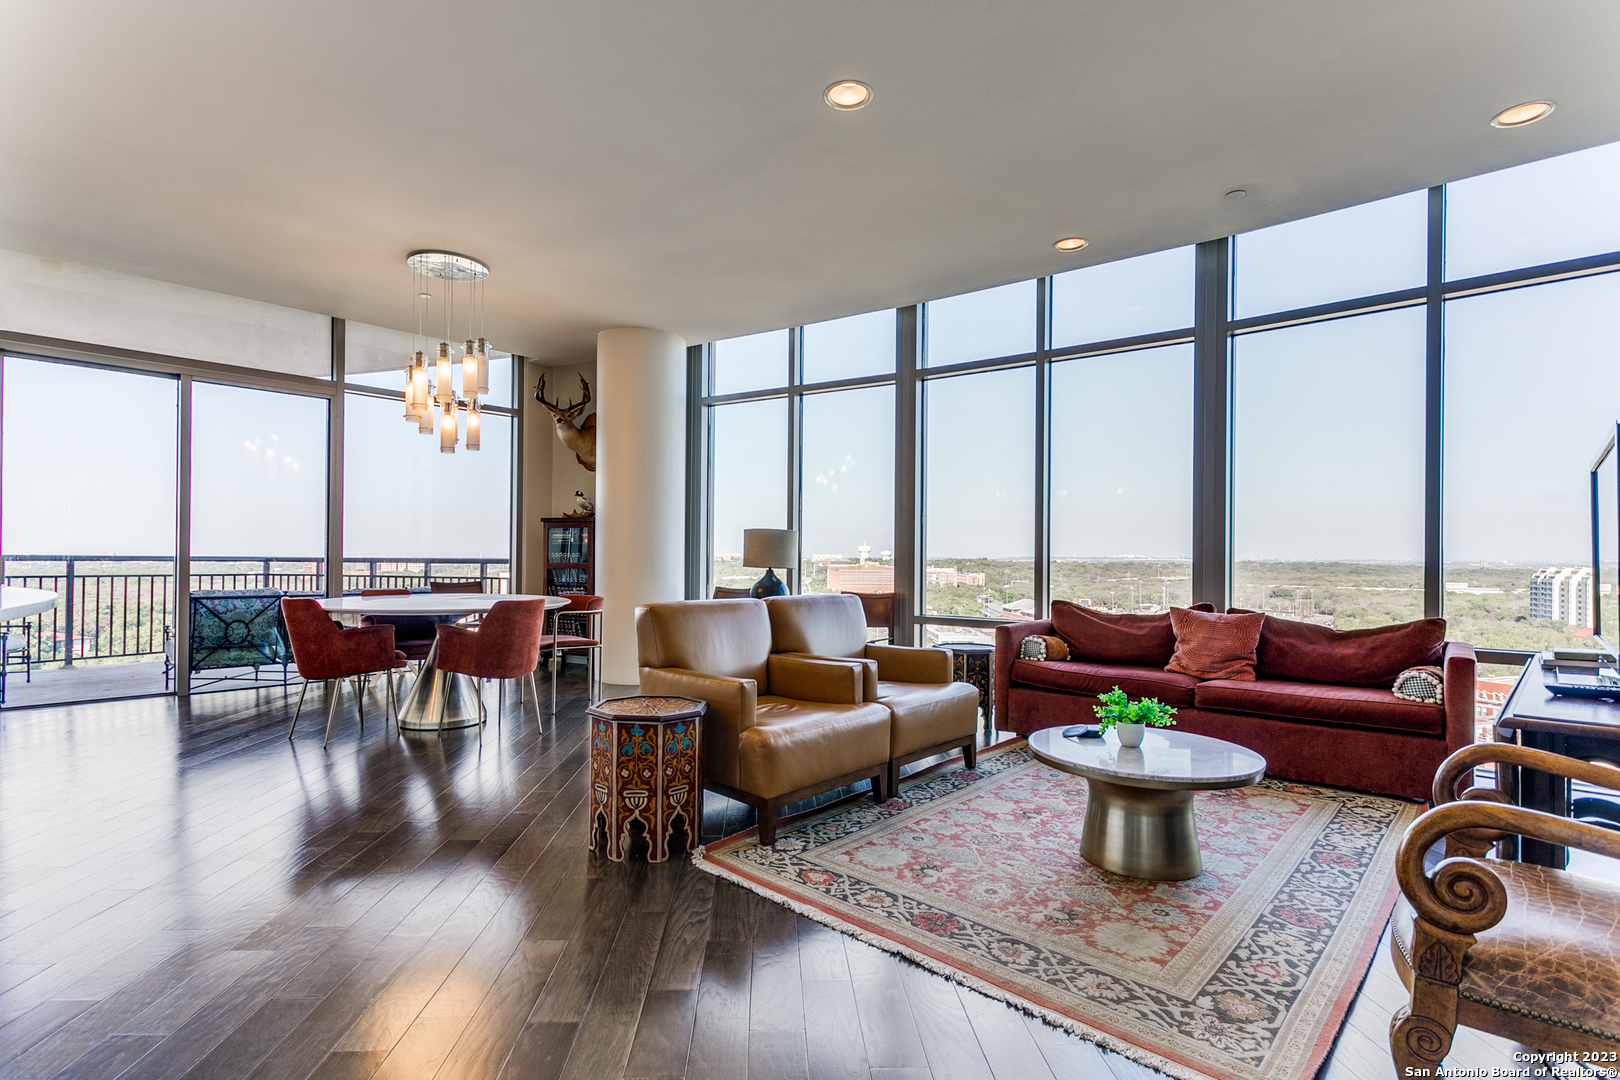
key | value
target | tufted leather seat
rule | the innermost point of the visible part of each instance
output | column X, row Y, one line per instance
column 779, row 728
column 930, row 713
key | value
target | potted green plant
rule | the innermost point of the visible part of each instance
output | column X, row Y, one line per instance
column 1132, row 718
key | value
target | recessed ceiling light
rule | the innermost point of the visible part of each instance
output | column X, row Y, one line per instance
column 848, row 95
column 1236, row 193
column 1520, row 115
column 1070, row 243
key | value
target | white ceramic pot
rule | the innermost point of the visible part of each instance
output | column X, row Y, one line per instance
column 1130, row 734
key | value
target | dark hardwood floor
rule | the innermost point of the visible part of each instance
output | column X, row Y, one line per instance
column 183, row 892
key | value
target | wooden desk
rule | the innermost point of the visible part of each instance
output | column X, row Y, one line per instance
column 1575, row 727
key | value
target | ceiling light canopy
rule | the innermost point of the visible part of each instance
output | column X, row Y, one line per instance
column 1520, row 115
column 848, row 95
column 1070, row 243
column 447, row 266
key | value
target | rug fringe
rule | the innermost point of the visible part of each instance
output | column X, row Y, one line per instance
column 972, row 982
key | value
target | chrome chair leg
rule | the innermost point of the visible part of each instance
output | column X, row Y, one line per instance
column 360, row 699
column 478, row 689
column 393, row 704
column 298, row 710
column 536, row 689
column 556, row 663
column 334, row 691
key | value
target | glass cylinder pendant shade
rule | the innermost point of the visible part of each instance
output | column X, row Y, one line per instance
column 474, row 425
column 424, row 423
column 470, row 368
column 445, row 392
column 447, row 429
column 483, row 366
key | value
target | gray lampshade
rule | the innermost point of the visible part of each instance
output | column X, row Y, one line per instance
column 771, row 548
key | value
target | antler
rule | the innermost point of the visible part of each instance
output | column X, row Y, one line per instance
column 586, row 400
column 540, row 396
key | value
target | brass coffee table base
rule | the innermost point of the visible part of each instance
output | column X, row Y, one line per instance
column 1140, row 832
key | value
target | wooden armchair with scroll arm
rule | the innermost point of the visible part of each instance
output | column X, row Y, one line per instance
column 1522, row 951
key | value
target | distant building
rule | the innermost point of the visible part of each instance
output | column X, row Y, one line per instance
column 859, row 577
column 1019, row 609
column 1562, row 594
column 1489, row 696
column 947, row 577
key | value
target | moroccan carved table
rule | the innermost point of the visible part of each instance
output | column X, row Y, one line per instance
column 1139, row 805
column 646, row 764
column 975, row 664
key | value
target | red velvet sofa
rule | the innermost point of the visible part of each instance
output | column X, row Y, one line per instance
column 1315, row 730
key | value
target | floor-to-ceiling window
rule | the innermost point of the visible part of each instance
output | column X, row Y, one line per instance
column 1405, row 399
column 90, row 470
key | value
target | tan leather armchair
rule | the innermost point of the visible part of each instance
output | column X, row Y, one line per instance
column 930, row 714
column 779, row 728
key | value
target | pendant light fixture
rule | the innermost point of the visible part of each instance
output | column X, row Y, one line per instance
column 430, row 388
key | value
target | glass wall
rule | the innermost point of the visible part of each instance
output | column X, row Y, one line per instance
column 750, row 483
column 979, row 487
column 1388, row 458
column 412, row 512
column 90, row 470
column 1122, row 480
column 1327, row 470
column 847, row 538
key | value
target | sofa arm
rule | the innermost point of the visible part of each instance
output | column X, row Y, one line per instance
column 904, row 663
column 1458, row 674
column 731, row 701
column 1008, row 639
column 869, row 670
column 805, row 678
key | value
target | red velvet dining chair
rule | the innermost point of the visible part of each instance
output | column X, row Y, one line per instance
column 413, row 634
column 589, row 609
column 505, row 645
column 325, row 651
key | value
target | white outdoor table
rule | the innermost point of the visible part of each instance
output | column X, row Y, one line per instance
column 16, row 603
column 437, row 699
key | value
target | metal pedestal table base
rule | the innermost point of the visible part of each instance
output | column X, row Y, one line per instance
column 438, row 699
column 1141, row 832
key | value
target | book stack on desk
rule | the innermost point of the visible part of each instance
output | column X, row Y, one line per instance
column 1578, row 659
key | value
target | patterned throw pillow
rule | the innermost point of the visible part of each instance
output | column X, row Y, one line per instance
column 1210, row 646
column 1426, row 685
column 1043, row 647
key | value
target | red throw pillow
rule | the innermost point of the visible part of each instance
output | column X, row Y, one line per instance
column 1306, row 652
column 1210, row 646
column 1121, row 639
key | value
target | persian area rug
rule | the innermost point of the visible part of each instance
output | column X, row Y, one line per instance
column 1243, row 973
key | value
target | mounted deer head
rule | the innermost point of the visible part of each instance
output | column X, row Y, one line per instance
column 581, row 440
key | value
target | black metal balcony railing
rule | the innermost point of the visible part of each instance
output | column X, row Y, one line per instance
column 111, row 607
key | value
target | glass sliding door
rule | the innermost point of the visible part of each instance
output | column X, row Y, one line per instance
column 258, row 523
column 89, row 513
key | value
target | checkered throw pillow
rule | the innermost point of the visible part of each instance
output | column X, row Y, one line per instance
column 1043, row 647
column 1421, row 684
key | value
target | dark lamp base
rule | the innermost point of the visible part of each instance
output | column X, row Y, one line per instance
column 769, row 585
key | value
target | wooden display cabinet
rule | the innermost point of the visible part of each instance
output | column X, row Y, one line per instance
column 570, row 555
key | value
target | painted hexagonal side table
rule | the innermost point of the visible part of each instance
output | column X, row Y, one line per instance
column 646, row 763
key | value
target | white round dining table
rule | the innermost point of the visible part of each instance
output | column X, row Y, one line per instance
column 15, row 603
column 437, row 699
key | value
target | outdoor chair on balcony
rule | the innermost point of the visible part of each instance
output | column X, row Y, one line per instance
column 232, row 629
column 879, row 611
column 325, row 651
column 456, row 586
column 723, row 593
column 413, row 634
column 16, row 641
column 581, row 609
column 505, row 645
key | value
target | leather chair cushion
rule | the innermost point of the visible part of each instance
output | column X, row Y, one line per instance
column 794, row 744
column 824, row 624
column 1086, row 677
column 1359, row 705
column 1555, row 955
column 716, row 637
column 927, row 714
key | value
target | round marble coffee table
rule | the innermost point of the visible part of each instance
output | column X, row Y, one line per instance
column 1139, row 811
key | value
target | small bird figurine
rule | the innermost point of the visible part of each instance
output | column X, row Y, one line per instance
column 583, row 501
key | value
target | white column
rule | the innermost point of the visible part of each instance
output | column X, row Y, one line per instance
column 640, row 483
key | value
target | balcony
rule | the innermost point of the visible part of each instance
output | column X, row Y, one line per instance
column 106, row 637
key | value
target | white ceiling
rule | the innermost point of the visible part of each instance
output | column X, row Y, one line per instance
column 671, row 164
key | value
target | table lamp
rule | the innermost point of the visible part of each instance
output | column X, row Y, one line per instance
column 770, row 548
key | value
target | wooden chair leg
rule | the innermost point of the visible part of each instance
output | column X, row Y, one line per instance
column 334, row 691
column 970, row 754
column 767, row 824
column 296, row 711
column 891, row 780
